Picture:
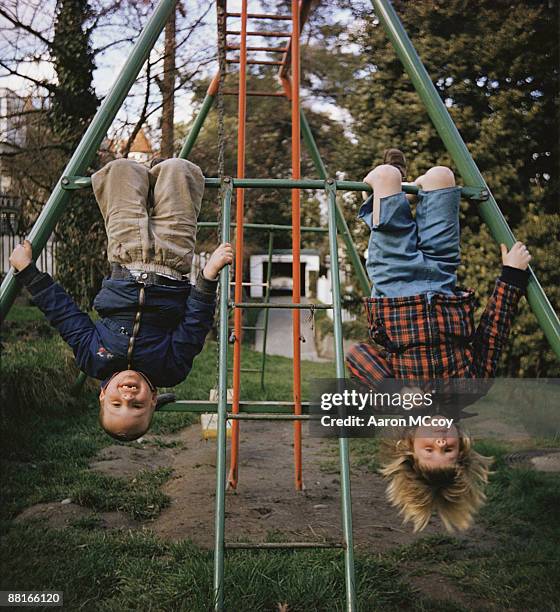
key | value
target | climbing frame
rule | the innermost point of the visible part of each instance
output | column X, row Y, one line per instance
column 295, row 410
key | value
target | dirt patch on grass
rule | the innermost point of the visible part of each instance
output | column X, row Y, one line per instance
column 59, row 515
column 128, row 461
column 265, row 503
column 547, row 463
column 440, row 589
column 541, row 459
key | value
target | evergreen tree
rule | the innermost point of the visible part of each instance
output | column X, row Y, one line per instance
column 80, row 233
column 74, row 102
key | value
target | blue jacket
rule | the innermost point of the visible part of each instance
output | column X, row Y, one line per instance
column 174, row 325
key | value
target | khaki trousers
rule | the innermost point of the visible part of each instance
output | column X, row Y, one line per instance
column 150, row 214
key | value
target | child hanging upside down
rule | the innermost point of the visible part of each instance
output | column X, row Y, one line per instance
column 153, row 322
column 425, row 326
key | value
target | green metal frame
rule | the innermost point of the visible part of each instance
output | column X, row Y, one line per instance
column 249, row 407
column 205, row 107
column 273, row 410
column 219, row 542
column 266, row 301
column 71, row 183
column 313, row 149
column 268, row 227
column 346, row 497
column 78, row 385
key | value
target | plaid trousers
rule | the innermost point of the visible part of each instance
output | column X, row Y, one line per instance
column 424, row 338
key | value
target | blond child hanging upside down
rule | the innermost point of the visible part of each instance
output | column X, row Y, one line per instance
column 425, row 326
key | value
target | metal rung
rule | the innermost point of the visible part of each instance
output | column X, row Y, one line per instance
column 271, row 34
column 267, row 226
column 269, row 417
column 279, row 305
column 262, row 16
column 282, row 545
column 253, row 328
column 254, row 284
column 256, row 93
column 267, row 49
column 245, row 407
column 256, row 62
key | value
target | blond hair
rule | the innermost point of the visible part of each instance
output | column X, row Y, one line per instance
column 455, row 492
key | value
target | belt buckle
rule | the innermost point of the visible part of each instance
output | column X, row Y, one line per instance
column 147, row 278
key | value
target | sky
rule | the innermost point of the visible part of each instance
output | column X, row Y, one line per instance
column 41, row 15
column 109, row 63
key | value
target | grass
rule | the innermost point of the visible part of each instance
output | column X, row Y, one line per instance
column 135, row 571
column 49, row 439
column 21, row 313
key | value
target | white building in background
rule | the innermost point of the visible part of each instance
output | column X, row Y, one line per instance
column 282, row 281
column 314, row 286
column 13, row 136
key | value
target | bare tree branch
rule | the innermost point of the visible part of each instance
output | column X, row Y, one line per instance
column 143, row 115
column 49, row 86
column 25, row 27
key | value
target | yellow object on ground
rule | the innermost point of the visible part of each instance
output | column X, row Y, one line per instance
column 209, row 420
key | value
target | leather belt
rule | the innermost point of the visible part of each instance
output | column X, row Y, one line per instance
column 119, row 272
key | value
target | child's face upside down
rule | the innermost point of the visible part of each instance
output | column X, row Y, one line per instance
column 127, row 403
column 436, row 447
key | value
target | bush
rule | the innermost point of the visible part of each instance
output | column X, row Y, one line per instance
column 528, row 353
column 35, row 376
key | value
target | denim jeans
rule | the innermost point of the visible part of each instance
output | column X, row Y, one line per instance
column 411, row 256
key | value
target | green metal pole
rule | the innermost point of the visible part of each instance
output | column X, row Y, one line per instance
column 85, row 152
column 266, row 301
column 313, row 149
column 207, row 104
column 351, row 604
column 70, row 183
column 219, row 544
column 489, row 210
column 290, row 306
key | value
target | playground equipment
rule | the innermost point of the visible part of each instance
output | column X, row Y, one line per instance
column 295, row 410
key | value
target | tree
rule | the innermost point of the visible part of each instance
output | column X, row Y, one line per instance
column 74, row 102
column 495, row 65
column 167, row 87
column 80, row 261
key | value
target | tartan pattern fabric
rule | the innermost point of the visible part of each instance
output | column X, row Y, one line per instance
column 427, row 339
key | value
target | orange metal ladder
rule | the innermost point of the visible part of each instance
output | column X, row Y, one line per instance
column 290, row 62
